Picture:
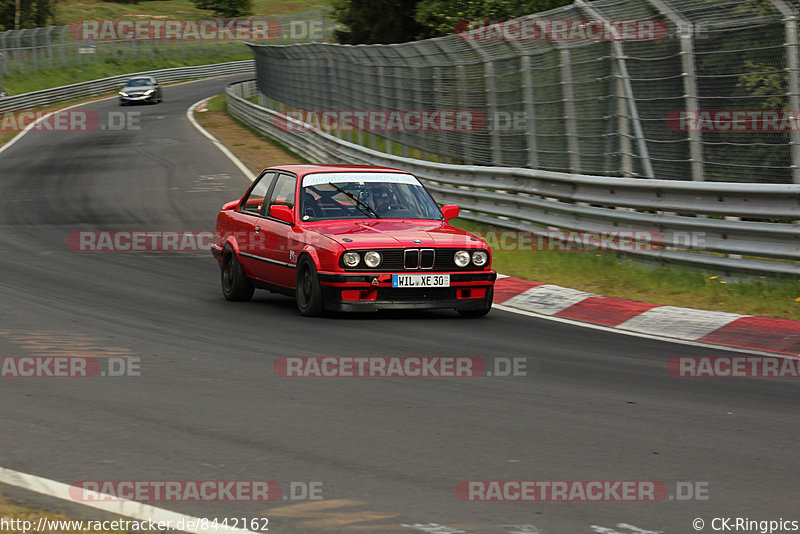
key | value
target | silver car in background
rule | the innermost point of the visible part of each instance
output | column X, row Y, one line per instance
column 140, row 89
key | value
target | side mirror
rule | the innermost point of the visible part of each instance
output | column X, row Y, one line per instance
column 450, row 211
column 282, row 213
column 232, row 205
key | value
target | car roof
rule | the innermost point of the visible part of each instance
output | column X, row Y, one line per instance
column 302, row 170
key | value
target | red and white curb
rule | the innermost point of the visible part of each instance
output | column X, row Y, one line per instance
column 767, row 334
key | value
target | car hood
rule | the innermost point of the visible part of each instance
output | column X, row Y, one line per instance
column 138, row 88
column 393, row 233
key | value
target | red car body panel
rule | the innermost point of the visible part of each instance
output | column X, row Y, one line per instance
column 269, row 249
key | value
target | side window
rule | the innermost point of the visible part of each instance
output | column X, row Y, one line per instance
column 283, row 192
column 255, row 199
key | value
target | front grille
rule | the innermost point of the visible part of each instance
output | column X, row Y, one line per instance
column 414, row 259
column 418, row 258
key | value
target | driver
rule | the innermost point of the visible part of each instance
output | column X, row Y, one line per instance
column 382, row 198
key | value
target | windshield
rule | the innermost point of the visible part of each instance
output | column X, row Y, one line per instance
column 138, row 82
column 326, row 196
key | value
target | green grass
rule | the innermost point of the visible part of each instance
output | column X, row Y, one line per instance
column 26, row 82
column 217, row 103
column 606, row 274
column 73, row 11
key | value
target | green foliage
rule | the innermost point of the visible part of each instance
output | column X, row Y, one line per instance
column 376, row 21
column 440, row 17
column 226, row 8
column 32, row 14
column 398, row 21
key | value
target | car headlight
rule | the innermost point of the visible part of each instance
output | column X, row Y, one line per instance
column 123, row 93
column 479, row 258
column 372, row 258
column 462, row 258
column 149, row 91
column 351, row 259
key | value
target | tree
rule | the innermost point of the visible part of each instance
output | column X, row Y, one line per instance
column 441, row 17
column 399, row 21
column 226, row 8
column 376, row 21
column 32, row 13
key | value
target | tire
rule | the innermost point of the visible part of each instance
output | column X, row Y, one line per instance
column 308, row 292
column 474, row 314
column 235, row 285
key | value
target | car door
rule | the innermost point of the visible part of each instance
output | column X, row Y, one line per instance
column 280, row 244
column 249, row 220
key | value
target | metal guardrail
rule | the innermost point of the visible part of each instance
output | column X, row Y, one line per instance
column 708, row 90
column 686, row 213
column 104, row 85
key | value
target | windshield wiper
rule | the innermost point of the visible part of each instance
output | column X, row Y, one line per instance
column 358, row 202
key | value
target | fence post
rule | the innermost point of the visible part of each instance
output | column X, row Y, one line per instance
column 624, row 87
column 48, row 43
column 528, row 102
column 790, row 19
column 569, row 110
column 491, row 102
column 20, row 53
column 686, row 38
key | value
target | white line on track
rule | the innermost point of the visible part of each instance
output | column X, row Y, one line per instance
column 236, row 161
column 132, row 509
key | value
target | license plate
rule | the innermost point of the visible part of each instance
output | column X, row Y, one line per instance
column 420, row 280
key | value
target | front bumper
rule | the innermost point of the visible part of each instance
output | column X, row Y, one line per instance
column 136, row 99
column 373, row 291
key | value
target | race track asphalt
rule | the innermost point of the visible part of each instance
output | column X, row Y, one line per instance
column 388, row 452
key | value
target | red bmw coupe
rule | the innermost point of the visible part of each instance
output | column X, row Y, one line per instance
column 350, row 238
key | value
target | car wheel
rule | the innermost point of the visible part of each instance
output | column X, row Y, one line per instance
column 235, row 285
column 307, row 289
column 481, row 311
